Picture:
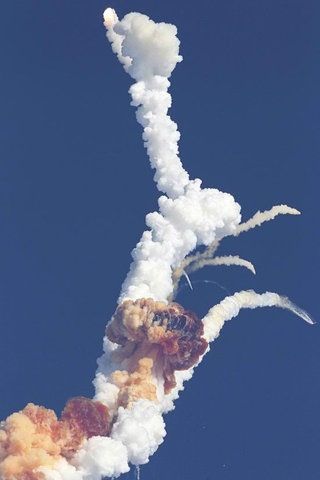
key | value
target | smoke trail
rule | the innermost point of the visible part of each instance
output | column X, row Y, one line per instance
column 226, row 260
column 149, row 52
column 152, row 344
column 260, row 217
column 231, row 306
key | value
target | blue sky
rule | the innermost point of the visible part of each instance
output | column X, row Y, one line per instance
column 75, row 185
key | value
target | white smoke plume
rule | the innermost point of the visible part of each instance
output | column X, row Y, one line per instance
column 188, row 215
column 151, row 345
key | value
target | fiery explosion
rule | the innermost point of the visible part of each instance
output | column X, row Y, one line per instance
column 152, row 344
column 166, row 333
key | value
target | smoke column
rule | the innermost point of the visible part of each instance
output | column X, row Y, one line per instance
column 152, row 344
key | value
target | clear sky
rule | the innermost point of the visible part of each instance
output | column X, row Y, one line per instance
column 75, row 185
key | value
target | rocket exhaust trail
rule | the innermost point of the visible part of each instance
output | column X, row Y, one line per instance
column 151, row 344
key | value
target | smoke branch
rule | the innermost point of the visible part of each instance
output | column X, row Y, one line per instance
column 261, row 217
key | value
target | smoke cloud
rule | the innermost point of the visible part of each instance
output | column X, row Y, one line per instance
column 152, row 344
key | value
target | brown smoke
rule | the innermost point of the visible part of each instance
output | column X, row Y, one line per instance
column 136, row 385
column 35, row 437
column 164, row 330
column 82, row 418
column 24, row 445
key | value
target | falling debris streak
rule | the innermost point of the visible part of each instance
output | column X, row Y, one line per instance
column 188, row 279
column 137, row 472
column 152, row 344
column 206, row 281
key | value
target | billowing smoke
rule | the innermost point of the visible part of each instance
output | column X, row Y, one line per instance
column 152, row 344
